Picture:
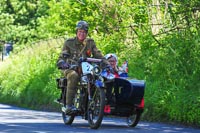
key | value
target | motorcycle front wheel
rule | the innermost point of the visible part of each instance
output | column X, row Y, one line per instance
column 67, row 119
column 96, row 108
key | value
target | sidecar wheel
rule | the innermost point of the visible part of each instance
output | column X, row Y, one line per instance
column 67, row 119
column 96, row 108
column 133, row 120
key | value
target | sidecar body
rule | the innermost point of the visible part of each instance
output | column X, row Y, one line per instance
column 128, row 91
column 127, row 96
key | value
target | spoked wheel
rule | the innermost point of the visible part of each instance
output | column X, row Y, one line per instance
column 96, row 108
column 67, row 119
column 133, row 120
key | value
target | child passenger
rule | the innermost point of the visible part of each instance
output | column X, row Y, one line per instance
column 118, row 72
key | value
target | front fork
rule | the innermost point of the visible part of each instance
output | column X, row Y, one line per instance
column 89, row 91
column 98, row 84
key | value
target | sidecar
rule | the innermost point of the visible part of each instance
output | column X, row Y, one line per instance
column 127, row 99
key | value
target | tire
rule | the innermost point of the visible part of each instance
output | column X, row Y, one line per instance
column 96, row 108
column 67, row 119
column 133, row 120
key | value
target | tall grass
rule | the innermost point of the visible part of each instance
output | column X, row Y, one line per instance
column 28, row 78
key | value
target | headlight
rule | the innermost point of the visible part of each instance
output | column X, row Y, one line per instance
column 96, row 70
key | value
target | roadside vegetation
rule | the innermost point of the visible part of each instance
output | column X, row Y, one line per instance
column 160, row 40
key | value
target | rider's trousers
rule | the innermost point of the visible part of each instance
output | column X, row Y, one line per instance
column 72, row 82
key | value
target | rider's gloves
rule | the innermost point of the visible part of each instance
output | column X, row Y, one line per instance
column 65, row 65
column 81, row 59
column 61, row 64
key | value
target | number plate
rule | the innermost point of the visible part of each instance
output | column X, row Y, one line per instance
column 86, row 67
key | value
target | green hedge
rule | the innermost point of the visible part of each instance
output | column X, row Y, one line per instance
column 28, row 78
column 172, row 91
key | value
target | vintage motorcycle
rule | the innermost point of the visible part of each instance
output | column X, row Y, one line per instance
column 90, row 96
column 127, row 95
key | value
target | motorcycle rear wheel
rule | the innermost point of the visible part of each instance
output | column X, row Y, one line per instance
column 96, row 108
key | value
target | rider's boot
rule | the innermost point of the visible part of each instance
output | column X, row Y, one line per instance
column 69, row 109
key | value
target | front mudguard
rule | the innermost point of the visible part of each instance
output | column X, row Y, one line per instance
column 99, row 84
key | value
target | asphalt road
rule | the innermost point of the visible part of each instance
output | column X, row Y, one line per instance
column 19, row 120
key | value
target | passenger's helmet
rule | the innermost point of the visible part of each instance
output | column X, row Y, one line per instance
column 108, row 56
column 83, row 25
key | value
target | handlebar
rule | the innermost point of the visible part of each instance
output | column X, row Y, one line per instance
column 94, row 60
column 66, row 55
column 72, row 67
column 81, row 59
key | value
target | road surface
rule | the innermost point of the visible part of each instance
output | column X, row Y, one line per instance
column 19, row 120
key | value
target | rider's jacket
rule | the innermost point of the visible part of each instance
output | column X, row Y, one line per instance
column 77, row 49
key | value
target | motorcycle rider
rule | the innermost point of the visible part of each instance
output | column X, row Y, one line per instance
column 79, row 46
